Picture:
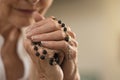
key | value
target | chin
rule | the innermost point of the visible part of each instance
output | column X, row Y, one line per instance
column 20, row 19
column 21, row 22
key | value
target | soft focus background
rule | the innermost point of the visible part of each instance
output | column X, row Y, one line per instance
column 97, row 25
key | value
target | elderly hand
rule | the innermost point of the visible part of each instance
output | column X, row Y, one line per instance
column 52, row 35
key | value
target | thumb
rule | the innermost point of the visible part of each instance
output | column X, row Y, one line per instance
column 38, row 17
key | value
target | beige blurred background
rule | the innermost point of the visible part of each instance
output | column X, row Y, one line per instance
column 97, row 25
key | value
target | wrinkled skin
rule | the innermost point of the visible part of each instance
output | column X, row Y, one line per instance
column 16, row 14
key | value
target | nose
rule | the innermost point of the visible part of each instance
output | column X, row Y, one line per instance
column 33, row 1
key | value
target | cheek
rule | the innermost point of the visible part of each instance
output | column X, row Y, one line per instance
column 10, row 2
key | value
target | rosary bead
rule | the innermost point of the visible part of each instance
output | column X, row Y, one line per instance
column 63, row 25
column 59, row 21
column 65, row 29
column 56, row 55
column 35, row 48
column 39, row 44
column 67, row 38
column 42, row 57
column 51, row 61
column 44, row 52
column 56, row 58
column 34, row 43
column 37, row 54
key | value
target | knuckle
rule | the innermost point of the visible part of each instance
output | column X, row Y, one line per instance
column 53, row 23
column 62, row 34
column 74, row 34
column 51, row 20
column 73, row 42
column 65, row 44
column 76, row 43
column 69, row 29
column 74, row 53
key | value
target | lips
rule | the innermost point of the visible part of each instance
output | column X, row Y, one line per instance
column 25, row 11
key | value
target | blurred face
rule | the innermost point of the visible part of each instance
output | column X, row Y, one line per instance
column 19, row 12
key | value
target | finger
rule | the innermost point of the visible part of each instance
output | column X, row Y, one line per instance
column 71, row 33
column 39, row 20
column 37, row 16
column 48, row 27
column 73, row 42
column 53, row 36
column 68, row 28
column 63, row 46
column 57, row 45
column 42, row 22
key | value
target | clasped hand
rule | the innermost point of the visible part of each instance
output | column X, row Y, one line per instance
column 52, row 36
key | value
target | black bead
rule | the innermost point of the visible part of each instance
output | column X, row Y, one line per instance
column 51, row 61
column 34, row 43
column 35, row 48
column 67, row 38
column 59, row 21
column 37, row 54
column 44, row 51
column 63, row 25
column 42, row 57
column 65, row 29
column 56, row 55
column 39, row 44
column 57, row 60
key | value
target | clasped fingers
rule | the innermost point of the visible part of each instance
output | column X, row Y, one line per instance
column 44, row 26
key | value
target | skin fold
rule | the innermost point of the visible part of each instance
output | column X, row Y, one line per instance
column 15, row 15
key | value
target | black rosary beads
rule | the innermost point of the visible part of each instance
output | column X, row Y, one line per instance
column 36, row 48
column 52, row 61
column 55, row 59
column 67, row 38
column 42, row 57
